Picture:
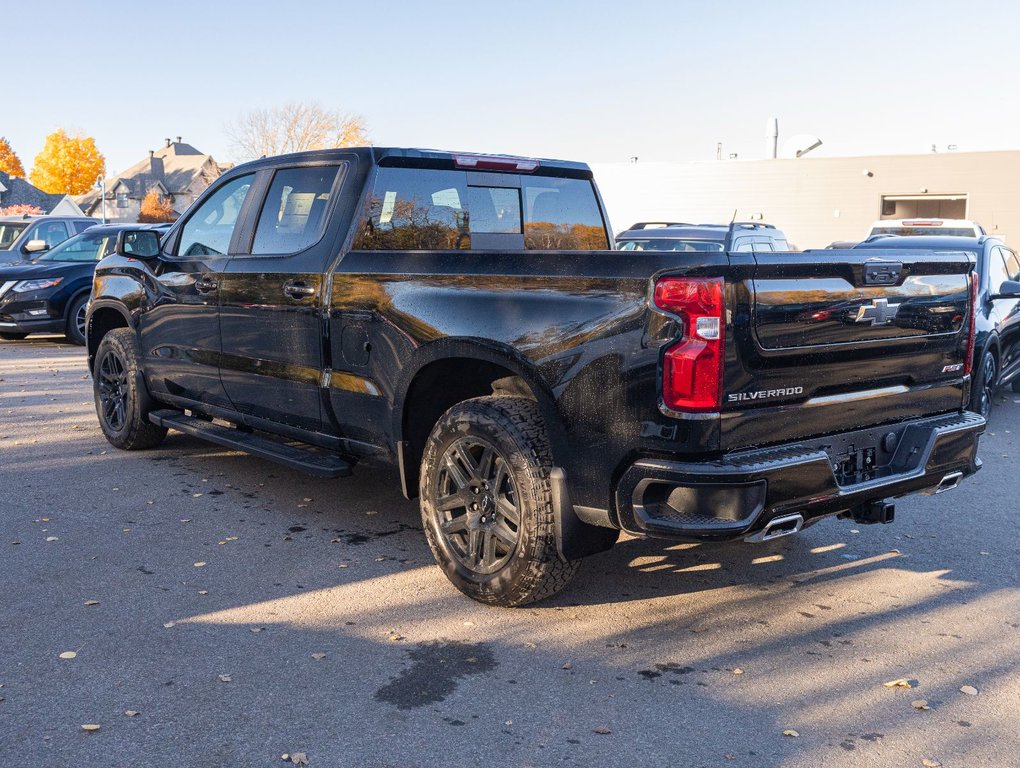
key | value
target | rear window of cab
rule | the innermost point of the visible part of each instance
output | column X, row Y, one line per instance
column 438, row 210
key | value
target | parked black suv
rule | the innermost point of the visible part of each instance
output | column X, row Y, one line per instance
column 50, row 294
column 463, row 318
column 676, row 236
column 996, row 355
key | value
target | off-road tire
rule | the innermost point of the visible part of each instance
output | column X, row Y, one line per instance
column 982, row 388
column 75, row 332
column 512, row 426
column 6, row 336
column 115, row 378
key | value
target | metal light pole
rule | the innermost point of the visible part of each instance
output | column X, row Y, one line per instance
column 101, row 183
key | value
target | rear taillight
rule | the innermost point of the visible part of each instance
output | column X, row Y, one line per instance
column 968, row 360
column 692, row 368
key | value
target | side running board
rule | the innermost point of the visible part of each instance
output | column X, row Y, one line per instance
column 308, row 460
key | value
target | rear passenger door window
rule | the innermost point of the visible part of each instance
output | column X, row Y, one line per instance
column 293, row 216
column 209, row 229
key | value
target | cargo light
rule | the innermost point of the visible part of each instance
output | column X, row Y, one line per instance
column 496, row 163
column 692, row 368
column 924, row 223
column 968, row 360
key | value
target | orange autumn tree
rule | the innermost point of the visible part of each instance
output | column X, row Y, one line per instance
column 155, row 209
column 67, row 165
column 9, row 162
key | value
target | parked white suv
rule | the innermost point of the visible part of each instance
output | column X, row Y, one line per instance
column 945, row 227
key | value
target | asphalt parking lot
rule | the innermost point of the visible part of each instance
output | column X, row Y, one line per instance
column 244, row 612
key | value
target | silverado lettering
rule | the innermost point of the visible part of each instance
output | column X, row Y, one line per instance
column 736, row 397
column 463, row 320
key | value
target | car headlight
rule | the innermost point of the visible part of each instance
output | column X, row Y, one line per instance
column 35, row 285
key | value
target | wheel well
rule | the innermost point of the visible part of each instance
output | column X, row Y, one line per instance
column 101, row 323
column 438, row 387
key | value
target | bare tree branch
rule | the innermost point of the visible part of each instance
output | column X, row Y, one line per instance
column 294, row 127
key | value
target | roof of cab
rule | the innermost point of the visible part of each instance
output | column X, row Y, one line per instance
column 410, row 157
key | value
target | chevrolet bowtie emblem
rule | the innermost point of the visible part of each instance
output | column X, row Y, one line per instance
column 879, row 312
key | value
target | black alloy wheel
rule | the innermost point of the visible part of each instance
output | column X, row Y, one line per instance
column 487, row 502
column 112, row 385
column 981, row 401
column 476, row 510
column 120, row 397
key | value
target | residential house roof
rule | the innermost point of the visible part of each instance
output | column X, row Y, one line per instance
column 14, row 191
column 172, row 170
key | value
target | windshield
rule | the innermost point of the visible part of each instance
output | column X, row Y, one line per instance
column 9, row 233
column 905, row 231
column 669, row 244
column 88, row 246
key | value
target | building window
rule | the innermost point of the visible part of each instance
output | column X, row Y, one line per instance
column 122, row 201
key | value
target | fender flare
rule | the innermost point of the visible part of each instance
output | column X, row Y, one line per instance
column 502, row 355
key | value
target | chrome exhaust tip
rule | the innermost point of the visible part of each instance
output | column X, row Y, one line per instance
column 777, row 527
column 949, row 482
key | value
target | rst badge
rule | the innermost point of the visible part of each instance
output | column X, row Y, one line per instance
column 952, row 368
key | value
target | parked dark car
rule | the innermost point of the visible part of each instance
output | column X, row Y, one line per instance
column 996, row 354
column 463, row 319
column 49, row 294
column 738, row 237
column 22, row 238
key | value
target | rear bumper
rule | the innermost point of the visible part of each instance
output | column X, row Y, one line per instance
column 737, row 495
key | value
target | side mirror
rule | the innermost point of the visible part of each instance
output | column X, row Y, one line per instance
column 1010, row 289
column 138, row 244
column 36, row 246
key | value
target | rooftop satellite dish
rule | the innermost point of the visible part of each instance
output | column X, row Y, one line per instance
column 800, row 145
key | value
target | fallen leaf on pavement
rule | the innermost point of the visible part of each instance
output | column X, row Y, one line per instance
column 791, row 733
column 256, row 630
column 91, row 602
column 299, row 758
column 318, row 656
column 68, row 655
column 199, row 564
column 225, row 678
column 131, row 712
column 168, row 624
column 970, row 690
column 738, row 671
column 602, row 730
column 901, row 683
column 52, row 538
column 568, row 665
column 931, row 763
column 919, row 704
column 90, row 727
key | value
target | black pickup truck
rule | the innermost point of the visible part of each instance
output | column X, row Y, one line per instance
column 464, row 318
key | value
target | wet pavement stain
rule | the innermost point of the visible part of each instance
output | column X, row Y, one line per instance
column 436, row 668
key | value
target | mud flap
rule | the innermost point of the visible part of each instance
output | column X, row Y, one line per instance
column 574, row 537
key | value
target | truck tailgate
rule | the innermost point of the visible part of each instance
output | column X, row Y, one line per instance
column 844, row 339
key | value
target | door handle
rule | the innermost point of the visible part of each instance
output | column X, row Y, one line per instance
column 296, row 289
column 205, row 285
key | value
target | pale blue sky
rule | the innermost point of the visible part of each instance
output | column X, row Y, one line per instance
column 593, row 81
